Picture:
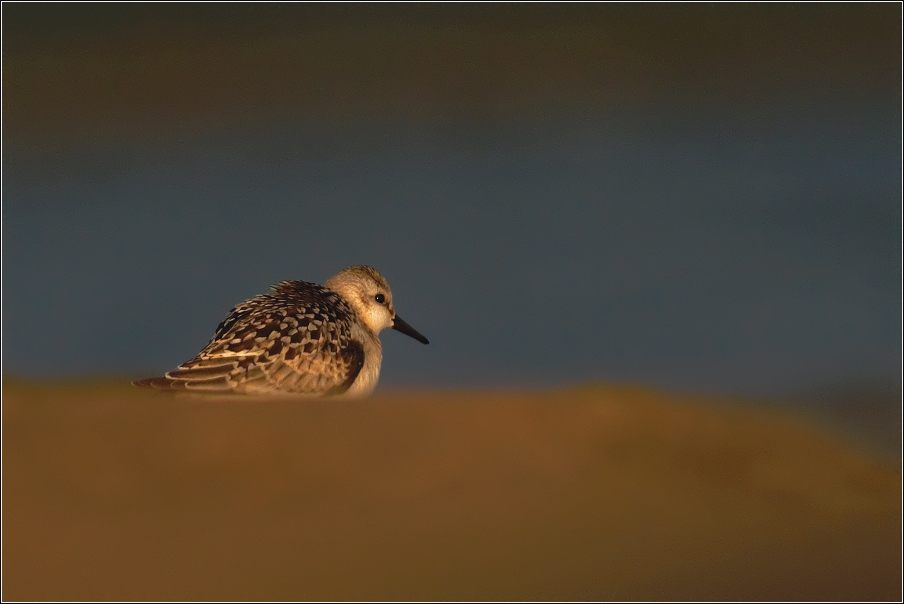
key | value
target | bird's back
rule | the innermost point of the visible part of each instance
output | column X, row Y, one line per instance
column 296, row 339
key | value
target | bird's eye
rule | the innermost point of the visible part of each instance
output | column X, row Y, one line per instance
column 380, row 298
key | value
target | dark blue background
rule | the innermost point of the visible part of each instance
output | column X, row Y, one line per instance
column 724, row 218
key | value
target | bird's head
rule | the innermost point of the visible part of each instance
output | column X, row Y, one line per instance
column 368, row 293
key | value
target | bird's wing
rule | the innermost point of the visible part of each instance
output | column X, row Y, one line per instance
column 297, row 340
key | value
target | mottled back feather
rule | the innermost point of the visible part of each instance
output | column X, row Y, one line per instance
column 295, row 339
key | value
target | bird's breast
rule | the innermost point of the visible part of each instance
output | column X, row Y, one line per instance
column 369, row 375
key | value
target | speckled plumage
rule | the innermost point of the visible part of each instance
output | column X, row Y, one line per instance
column 300, row 338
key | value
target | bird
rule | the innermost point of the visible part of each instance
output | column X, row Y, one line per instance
column 300, row 338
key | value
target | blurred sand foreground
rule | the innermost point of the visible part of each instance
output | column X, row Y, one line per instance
column 592, row 493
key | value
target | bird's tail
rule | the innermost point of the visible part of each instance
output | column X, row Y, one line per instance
column 159, row 383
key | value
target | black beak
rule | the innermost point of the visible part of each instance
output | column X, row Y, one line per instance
column 399, row 325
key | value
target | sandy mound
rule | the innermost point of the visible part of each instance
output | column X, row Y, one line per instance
column 589, row 493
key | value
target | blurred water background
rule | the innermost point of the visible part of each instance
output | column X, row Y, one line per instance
column 696, row 197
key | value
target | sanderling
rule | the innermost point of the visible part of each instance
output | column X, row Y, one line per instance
column 301, row 338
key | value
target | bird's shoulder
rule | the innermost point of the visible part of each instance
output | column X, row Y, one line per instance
column 295, row 312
